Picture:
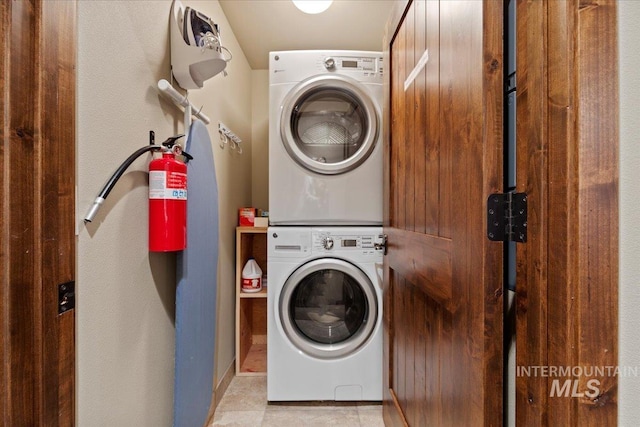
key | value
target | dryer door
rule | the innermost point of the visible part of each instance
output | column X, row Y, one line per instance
column 328, row 308
column 329, row 124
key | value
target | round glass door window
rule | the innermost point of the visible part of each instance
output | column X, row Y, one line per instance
column 328, row 308
column 329, row 124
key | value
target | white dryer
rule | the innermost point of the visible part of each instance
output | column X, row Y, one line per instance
column 324, row 314
column 325, row 138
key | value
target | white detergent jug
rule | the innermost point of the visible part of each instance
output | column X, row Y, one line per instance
column 251, row 277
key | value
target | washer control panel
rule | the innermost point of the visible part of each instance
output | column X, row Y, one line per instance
column 327, row 242
column 304, row 242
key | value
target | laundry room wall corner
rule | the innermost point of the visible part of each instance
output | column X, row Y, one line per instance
column 260, row 138
column 125, row 295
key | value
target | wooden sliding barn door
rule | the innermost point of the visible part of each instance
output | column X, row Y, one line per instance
column 37, row 212
column 443, row 277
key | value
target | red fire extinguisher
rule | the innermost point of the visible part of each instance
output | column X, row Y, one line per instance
column 167, row 194
column 168, row 202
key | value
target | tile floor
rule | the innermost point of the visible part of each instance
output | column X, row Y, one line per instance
column 244, row 404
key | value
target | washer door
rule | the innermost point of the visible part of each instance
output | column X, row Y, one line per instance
column 328, row 308
column 329, row 124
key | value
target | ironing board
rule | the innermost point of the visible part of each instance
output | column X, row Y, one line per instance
column 196, row 290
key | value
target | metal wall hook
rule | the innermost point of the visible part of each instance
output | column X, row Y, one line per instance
column 230, row 138
column 223, row 140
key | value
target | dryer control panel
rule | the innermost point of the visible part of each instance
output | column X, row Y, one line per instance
column 296, row 66
column 365, row 64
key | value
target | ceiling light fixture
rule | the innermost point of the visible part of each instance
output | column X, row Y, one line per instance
column 312, row 6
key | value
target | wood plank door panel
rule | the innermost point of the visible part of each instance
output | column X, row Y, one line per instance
column 567, row 275
column 37, row 211
column 443, row 283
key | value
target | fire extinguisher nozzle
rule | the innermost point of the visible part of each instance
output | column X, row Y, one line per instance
column 93, row 210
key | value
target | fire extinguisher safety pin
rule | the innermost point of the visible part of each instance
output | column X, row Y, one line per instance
column 178, row 151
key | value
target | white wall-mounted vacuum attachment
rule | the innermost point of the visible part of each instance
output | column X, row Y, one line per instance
column 197, row 53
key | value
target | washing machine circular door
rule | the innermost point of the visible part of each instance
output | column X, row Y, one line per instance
column 328, row 308
column 329, row 124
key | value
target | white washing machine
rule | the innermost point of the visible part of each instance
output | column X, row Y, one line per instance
column 324, row 315
column 325, row 138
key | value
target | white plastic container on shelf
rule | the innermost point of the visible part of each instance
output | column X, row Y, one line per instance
column 251, row 277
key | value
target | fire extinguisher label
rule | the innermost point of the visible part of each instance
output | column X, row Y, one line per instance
column 167, row 185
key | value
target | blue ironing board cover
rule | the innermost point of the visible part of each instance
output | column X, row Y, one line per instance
column 196, row 290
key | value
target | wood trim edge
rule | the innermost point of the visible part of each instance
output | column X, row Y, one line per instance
column 221, row 388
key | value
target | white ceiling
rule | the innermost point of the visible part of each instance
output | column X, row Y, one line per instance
column 262, row 26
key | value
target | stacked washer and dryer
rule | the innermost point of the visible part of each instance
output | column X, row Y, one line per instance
column 324, row 327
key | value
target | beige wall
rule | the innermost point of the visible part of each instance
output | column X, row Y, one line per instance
column 629, row 347
column 260, row 138
column 126, row 296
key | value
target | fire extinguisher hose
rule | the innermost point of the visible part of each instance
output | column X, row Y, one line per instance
column 114, row 178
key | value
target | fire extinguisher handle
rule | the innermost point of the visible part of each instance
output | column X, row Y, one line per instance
column 171, row 141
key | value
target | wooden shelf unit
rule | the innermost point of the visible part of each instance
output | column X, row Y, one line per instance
column 251, row 308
